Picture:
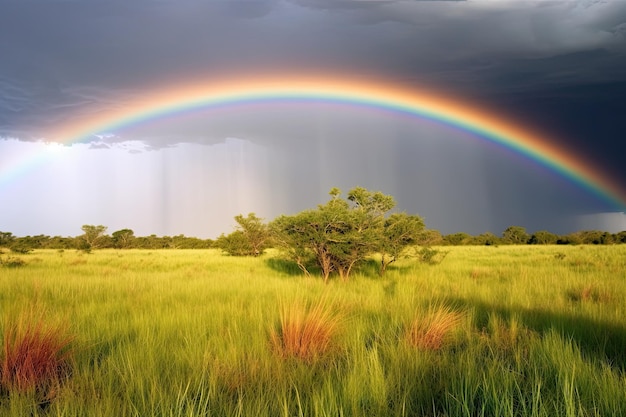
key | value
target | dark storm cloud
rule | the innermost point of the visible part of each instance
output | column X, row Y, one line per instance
column 61, row 59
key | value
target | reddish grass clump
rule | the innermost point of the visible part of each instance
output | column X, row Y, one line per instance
column 432, row 330
column 35, row 356
column 306, row 333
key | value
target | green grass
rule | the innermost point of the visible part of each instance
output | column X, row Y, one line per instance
column 529, row 331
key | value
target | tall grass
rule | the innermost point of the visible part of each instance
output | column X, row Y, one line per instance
column 194, row 333
column 36, row 355
column 433, row 329
column 306, row 332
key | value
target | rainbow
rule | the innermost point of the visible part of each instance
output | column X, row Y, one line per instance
column 369, row 94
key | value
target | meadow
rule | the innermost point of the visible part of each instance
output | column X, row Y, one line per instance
column 489, row 331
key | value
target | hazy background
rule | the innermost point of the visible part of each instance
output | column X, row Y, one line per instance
column 557, row 66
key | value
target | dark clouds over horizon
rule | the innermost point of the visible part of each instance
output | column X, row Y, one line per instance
column 559, row 66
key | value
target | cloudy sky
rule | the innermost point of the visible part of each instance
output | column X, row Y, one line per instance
column 558, row 67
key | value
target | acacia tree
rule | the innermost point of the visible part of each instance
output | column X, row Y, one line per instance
column 93, row 237
column 336, row 235
column 6, row 238
column 543, row 237
column 250, row 238
column 302, row 237
column 515, row 235
column 123, row 239
column 364, row 230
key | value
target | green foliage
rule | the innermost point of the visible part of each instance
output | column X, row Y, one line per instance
column 6, row 238
column 486, row 239
column 543, row 237
column 21, row 246
column 93, row 237
column 595, row 237
column 341, row 233
column 399, row 232
column 250, row 238
column 457, row 239
column 12, row 262
column 235, row 244
column 431, row 256
column 537, row 337
column 123, row 239
column 515, row 235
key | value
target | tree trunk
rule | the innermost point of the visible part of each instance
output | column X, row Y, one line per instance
column 384, row 265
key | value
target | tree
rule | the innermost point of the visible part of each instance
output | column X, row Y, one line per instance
column 250, row 238
column 123, row 239
column 93, row 237
column 543, row 237
column 620, row 237
column 301, row 238
column 6, row 238
column 515, row 235
column 256, row 232
column 400, row 231
column 595, row 237
column 429, row 237
column 360, row 229
column 456, row 239
column 487, row 239
column 337, row 235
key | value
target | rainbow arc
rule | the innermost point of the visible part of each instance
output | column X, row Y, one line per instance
column 219, row 94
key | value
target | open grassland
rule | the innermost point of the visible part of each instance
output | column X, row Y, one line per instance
column 493, row 331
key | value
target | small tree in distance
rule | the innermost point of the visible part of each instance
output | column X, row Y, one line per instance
column 543, row 237
column 92, row 238
column 515, row 235
column 123, row 239
column 250, row 238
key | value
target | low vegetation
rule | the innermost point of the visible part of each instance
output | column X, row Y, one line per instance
column 36, row 356
column 490, row 331
column 431, row 330
column 306, row 333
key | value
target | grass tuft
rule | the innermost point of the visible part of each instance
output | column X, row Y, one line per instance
column 35, row 356
column 306, row 333
column 432, row 330
column 589, row 293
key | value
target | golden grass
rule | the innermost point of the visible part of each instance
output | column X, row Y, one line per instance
column 432, row 330
column 305, row 332
column 35, row 356
column 589, row 293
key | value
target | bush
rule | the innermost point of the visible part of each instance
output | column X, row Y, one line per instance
column 432, row 330
column 21, row 248
column 305, row 333
column 431, row 256
column 36, row 356
column 12, row 262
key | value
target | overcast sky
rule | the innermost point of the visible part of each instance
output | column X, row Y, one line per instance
column 556, row 66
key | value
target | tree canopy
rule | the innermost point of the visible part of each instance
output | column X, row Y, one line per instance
column 340, row 234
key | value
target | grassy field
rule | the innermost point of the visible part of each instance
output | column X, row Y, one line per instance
column 493, row 331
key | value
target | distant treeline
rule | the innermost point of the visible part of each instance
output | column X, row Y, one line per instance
column 95, row 237
column 122, row 239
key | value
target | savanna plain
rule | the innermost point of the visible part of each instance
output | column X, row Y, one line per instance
column 488, row 331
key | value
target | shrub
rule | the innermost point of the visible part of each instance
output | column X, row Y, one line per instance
column 21, row 248
column 431, row 256
column 35, row 356
column 306, row 332
column 432, row 330
column 12, row 262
